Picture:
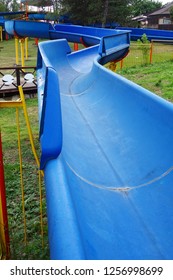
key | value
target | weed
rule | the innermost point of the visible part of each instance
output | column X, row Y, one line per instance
column 158, row 83
column 144, row 46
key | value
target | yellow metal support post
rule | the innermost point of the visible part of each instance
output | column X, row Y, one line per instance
column 28, row 125
column 21, row 175
column 10, row 104
column 17, row 50
column 40, row 172
column 41, row 205
column 26, row 48
column 22, row 47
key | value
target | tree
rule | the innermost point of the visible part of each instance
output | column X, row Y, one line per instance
column 102, row 11
column 143, row 7
column 105, row 11
column 78, row 11
column 14, row 6
column 2, row 7
column 56, row 6
column 9, row 5
column 56, row 10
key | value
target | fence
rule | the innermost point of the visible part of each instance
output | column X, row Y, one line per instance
column 142, row 54
column 12, row 77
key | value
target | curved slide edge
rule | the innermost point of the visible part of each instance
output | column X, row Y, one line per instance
column 108, row 123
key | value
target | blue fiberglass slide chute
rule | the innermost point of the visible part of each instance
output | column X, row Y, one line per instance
column 106, row 153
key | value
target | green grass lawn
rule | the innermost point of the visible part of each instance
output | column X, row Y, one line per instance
column 7, row 53
column 156, row 77
column 8, row 57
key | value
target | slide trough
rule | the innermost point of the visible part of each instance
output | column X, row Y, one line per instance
column 152, row 34
column 107, row 150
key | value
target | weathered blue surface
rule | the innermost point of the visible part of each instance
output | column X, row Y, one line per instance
column 107, row 156
column 109, row 191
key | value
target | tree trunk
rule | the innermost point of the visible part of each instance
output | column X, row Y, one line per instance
column 106, row 4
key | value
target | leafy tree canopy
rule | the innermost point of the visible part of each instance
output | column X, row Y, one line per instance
column 97, row 11
column 9, row 6
column 143, row 7
column 89, row 11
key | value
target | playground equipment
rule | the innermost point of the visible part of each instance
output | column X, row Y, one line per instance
column 106, row 150
column 23, row 50
column 4, row 236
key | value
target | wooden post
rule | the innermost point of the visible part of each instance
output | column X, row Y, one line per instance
column 36, row 41
column 151, row 51
column 76, row 47
column 1, row 37
column 121, row 64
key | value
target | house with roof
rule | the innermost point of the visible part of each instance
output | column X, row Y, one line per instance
column 161, row 19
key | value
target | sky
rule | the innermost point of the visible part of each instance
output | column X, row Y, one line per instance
column 165, row 1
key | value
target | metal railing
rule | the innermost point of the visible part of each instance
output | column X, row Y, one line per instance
column 12, row 77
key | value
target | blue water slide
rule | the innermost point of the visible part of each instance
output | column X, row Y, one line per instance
column 2, row 14
column 23, row 28
column 47, row 30
column 37, row 16
column 106, row 151
column 108, row 169
column 11, row 13
column 152, row 34
column 79, row 34
column 2, row 20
